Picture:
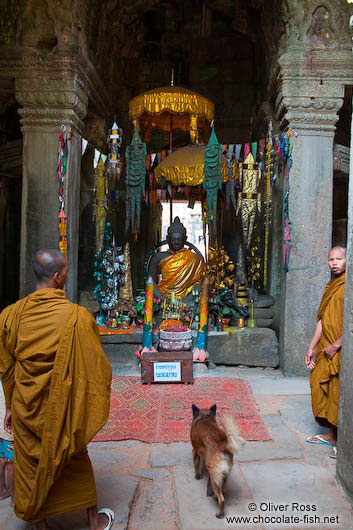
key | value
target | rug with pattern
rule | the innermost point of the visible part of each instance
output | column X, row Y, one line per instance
column 162, row 412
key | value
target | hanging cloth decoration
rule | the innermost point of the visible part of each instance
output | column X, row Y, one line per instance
column 100, row 207
column 61, row 170
column 267, row 201
column 135, row 176
column 114, row 142
column 286, row 227
column 213, row 175
column 233, row 173
column 249, row 200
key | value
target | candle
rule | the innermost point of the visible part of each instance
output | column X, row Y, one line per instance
column 147, row 324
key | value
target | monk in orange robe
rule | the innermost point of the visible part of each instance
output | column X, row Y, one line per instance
column 56, row 381
column 324, row 356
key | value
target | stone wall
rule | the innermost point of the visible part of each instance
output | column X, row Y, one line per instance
column 345, row 419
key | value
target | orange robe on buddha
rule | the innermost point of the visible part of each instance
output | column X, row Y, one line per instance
column 56, row 380
column 324, row 378
column 180, row 273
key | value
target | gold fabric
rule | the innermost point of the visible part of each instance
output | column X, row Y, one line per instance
column 248, row 199
column 56, row 380
column 167, row 121
column 100, row 207
column 186, row 166
column 180, row 273
column 324, row 378
column 174, row 99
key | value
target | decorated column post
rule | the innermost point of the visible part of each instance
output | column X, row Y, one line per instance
column 148, row 321
column 200, row 353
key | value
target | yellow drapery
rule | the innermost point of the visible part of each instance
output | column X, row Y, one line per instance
column 56, row 380
column 170, row 108
column 324, row 378
column 180, row 273
column 176, row 100
column 186, row 166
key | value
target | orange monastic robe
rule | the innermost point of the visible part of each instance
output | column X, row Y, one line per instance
column 56, row 380
column 324, row 378
column 181, row 271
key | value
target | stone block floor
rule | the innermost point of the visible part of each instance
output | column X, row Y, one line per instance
column 286, row 483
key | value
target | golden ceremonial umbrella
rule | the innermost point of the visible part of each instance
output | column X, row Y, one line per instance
column 186, row 166
column 172, row 107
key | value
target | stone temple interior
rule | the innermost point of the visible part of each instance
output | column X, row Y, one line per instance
column 81, row 63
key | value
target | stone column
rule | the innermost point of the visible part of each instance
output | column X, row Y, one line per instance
column 309, row 98
column 51, row 94
column 345, row 419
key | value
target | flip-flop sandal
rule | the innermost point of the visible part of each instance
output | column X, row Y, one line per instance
column 334, row 453
column 319, row 440
column 110, row 514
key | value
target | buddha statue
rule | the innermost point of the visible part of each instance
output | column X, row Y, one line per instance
column 181, row 268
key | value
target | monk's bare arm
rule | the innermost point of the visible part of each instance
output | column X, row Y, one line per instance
column 309, row 356
column 333, row 348
column 8, row 422
column 7, row 359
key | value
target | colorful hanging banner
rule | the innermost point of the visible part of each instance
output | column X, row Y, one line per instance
column 61, row 170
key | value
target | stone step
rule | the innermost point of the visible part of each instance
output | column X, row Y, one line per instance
column 263, row 312
column 264, row 322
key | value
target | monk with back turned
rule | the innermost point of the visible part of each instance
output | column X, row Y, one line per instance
column 56, row 380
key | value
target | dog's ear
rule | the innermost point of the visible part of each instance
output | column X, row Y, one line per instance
column 195, row 410
column 213, row 409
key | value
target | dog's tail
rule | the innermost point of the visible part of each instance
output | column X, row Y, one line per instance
column 232, row 431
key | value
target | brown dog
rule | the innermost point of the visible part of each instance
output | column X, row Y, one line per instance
column 214, row 448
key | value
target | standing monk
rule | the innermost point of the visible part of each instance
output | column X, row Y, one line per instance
column 56, row 381
column 324, row 354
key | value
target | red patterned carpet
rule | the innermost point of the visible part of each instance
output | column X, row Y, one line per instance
column 162, row 412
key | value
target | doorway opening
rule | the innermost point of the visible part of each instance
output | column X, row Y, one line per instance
column 191, row 219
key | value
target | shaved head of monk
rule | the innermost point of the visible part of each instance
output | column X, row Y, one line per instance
column 337, row 260
column 50, row 269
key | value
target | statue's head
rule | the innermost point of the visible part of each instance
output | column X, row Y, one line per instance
column 176, row 235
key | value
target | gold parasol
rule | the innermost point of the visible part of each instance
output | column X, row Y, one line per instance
column 170, row 108
column 186, row 166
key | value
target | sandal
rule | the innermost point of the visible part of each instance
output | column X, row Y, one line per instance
column 110, row 514
column 318, row 439
column 334, row 453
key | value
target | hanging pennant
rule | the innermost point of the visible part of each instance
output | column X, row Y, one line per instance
column 237, row 152
column 254, row 149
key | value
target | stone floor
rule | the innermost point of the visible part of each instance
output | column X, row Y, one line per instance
column 152, row 487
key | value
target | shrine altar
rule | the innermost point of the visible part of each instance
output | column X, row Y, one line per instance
column 250, row 347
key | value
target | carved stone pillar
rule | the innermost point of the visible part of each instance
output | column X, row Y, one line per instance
column 345, row 419
column 51, row 94
column 53, row 89
column 310, row 94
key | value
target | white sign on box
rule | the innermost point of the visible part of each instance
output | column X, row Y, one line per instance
column 167, row 371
